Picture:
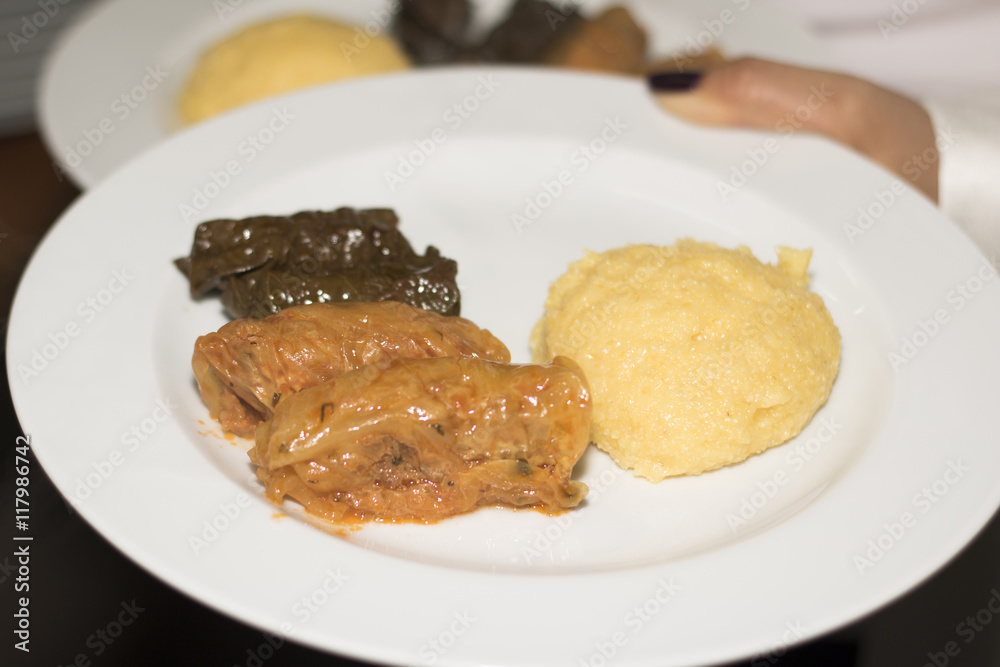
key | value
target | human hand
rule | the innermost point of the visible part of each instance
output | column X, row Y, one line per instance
column 890, row 129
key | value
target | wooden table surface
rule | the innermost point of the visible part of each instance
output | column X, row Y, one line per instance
column 79, row 584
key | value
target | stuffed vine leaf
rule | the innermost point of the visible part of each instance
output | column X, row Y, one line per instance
column 265, row 263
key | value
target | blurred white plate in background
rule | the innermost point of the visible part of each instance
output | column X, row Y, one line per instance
column 110, row 85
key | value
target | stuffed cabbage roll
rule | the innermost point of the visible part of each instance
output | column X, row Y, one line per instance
column 425, row 439
column 246, row 368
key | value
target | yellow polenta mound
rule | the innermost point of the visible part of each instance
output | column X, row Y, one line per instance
column 283, row 55
column 697, row 356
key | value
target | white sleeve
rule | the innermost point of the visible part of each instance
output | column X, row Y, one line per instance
column 968, row 131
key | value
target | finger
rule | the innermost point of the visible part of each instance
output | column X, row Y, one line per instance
column 884, row 126
column 758, row 94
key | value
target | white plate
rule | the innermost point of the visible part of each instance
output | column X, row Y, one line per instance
column 102, row 331
column 110, row 86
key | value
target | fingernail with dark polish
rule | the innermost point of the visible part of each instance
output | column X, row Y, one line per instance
column 674, row 82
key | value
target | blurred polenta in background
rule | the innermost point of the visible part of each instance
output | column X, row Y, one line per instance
column 281, row 55
column 291, row 51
